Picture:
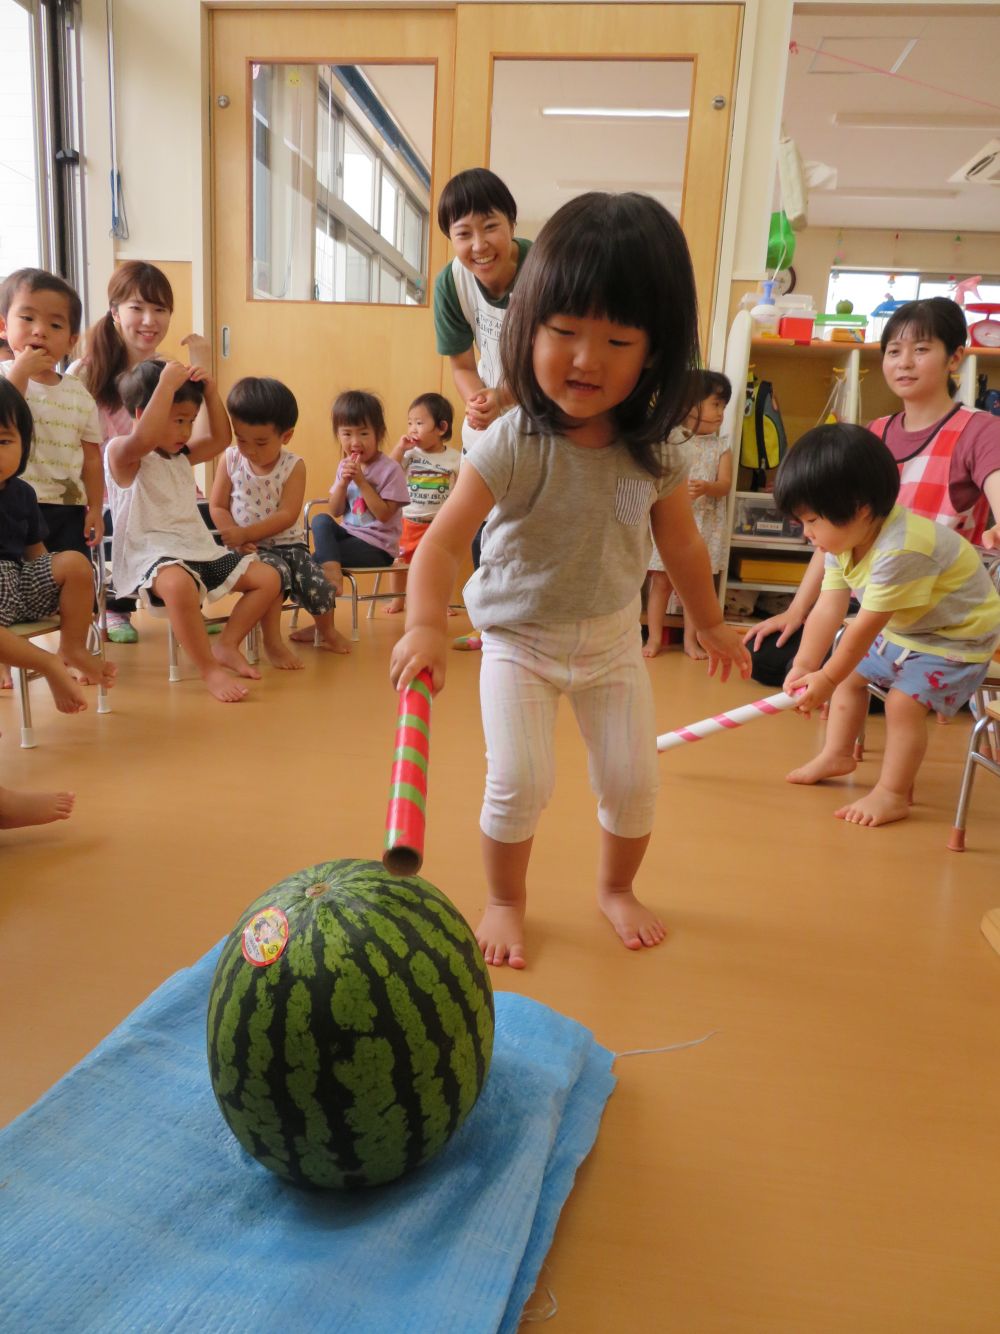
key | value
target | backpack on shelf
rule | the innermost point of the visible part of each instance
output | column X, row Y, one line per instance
column 764, row 442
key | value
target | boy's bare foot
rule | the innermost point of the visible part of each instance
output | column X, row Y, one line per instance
column 453, row 611
column 6, row 680
column 281, row 656
column 395, row 607
column 693, row 649
column 91, row 671
column 879, row 806
column 68, row 696
column 233, row 659
column 304, row 635
column 500, row 935
column 19, row 809
column 335, row 643
column 652, row 647
column 633, row 921
column 823, row 766
column 222, row 685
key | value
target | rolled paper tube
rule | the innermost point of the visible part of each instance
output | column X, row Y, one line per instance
column 724, row 722
column 405, row 817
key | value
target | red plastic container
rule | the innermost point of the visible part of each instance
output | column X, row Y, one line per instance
column 799, row 328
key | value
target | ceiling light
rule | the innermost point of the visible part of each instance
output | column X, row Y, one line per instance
column 889, row 120
column 615, row 113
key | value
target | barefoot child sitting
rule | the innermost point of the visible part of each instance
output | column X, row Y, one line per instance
column 929, row 620
column 597, row 347
column 256, row 505
column 35, row 583
column 430, row 468
column 709, row 479
column 160, row 547
column 366, row 497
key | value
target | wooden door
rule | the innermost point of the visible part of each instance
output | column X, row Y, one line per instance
column 319, row 348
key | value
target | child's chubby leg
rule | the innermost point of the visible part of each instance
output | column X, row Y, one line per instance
column 500, row 933
column 691, row 646
column 848, row 707
column 260, row 585
column 397, row 586
column 20, row 809
column 656, row 610
column 277, row 651
column 180, row 594
column 905, row 745
column 66, row 692
column 330, row 637
column 620, row 860
column 71, row 572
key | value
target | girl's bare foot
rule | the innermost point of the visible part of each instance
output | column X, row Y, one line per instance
column 335, row 643
column 453, row 611
column 6, row 680
column 305, row 635
column 281, row 656
column 91, row 671
column 19, row 809
column 879, row 806
column 222, row 685
column 823, row 766
column 693, row 649
column 500, row 935
column 68, row 696
column 633, row 921
column 652, row 647
column 395, row 607
column 233, row 659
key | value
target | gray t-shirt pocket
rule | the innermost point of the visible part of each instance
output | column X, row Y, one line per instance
column 633, row 500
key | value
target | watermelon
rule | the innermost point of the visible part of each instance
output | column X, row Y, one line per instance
column 350, row 1025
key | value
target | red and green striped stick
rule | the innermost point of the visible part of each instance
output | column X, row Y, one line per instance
column 405, row 818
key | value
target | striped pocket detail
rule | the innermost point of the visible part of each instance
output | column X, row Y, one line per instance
column 633, row 500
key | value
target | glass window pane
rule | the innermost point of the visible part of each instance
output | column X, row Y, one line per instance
column 359, row 175
column 412, row 235
column 18, row 200
column 387, row 219
column 358, row 275
column 390, row 285
column 866, row 290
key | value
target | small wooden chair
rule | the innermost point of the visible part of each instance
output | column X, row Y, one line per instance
column 47, row 626
column 353, row 572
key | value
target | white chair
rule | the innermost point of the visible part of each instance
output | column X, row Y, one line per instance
column 50, row 624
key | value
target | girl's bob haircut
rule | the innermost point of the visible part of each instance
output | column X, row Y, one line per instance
column 16, row 415
column 934, row 317
column 623, row 258
column 357, row 407
column 834, row 472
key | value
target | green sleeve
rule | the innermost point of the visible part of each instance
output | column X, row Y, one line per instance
column 451, row 328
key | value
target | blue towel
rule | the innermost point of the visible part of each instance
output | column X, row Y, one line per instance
column 127, row 1205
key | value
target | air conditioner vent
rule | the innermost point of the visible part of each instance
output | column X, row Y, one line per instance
column 983, row 168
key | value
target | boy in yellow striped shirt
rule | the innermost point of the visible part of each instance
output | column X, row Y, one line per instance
column 929, row 619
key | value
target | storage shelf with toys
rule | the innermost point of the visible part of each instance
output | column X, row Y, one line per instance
column 802, row 374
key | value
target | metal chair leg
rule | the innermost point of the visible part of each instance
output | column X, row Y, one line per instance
column 20, row 676
column 173, row 666
column 354, row 604
column 956, row 842
column 374, row 597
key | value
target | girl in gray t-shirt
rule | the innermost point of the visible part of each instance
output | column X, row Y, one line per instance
column 597, row 348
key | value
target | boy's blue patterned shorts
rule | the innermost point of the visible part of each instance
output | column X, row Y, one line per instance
column 941, row 684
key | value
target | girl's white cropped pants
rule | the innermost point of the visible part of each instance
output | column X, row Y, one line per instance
column 598, row 664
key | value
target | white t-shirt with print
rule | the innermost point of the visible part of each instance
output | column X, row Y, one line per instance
column 64, row 417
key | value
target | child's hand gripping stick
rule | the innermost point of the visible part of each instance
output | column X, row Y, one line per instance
column 723, row 722
column 405, row 817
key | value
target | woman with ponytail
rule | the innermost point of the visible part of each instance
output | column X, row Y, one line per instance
column 140, row 304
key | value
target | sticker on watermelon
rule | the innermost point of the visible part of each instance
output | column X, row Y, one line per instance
column 265, row 937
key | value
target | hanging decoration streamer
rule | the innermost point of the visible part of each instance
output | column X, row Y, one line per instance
column 796, row 47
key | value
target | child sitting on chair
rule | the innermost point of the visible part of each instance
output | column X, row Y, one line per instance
column 929, row 620
column 368, row 495
column 430, row 468
column 160, row 547
column 256, row 505
column 35, row 583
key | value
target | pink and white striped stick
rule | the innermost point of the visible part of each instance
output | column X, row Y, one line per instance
column 723, row 722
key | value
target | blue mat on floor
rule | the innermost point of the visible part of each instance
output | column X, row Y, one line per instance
column 127, row 1205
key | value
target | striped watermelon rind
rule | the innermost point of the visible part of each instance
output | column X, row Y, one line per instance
column 358, row 1052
